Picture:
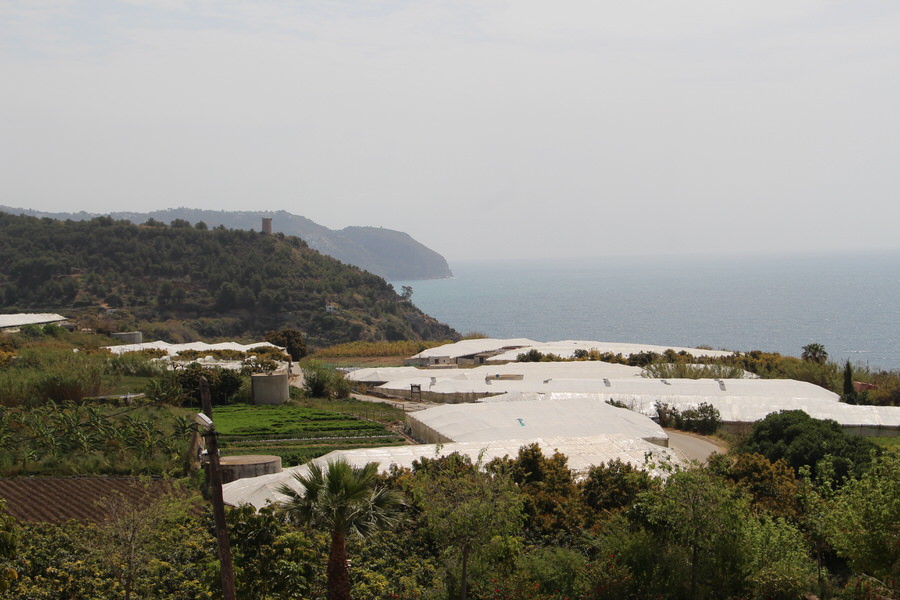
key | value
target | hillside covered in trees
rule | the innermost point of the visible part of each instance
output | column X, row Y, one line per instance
column 182, row 281
column 391, row 254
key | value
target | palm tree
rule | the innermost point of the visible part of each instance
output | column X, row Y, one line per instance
column 814, row 353
column 346, row 500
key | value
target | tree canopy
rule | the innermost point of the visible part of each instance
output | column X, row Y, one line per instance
column 345, row 500
column 802, row 441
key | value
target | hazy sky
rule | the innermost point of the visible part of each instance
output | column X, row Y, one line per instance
column 483, row 128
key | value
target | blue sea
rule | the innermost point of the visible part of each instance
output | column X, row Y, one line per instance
column 848, row 303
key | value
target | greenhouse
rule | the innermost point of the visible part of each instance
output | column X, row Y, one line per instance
column 489, row 350
column 174, row 349
column 576, row 416
column 738, row 410
column 567, row 349
column 582, row 453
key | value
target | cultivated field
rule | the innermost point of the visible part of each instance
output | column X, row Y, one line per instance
column 58, row 499
column 298, row 433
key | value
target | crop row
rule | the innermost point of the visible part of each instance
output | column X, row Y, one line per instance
column 292, row 455
column 304, row 435
column 282, row 430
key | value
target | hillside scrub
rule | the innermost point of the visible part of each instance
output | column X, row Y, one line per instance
column 34, row 371
column 393, row 255
column 202, row 283
column 403, row 348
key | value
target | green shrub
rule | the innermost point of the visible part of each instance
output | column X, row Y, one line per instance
column 779, row 564
column 533, row 355
column 289, row 339
column 218, row 354
column 704, row 419
column 820, row 445
column 42, row 374
column 137, row 364
column 681, row 370
column 320, row 381
column 31, row 330
column 182, row 386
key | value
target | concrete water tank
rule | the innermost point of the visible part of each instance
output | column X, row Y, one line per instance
column 270, row 389
column 250, row 465
column 129, row 337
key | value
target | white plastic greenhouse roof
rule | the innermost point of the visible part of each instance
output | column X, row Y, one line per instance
column 739, row 408
column 173, row 349
column 401, row 377
column 572, row 416
column 475, row 346
column 592, row 377
column 567, row 348
column 20, row 319
column 582, row 454
column 381, row 374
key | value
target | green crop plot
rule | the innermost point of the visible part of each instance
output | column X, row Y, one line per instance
column 297, row 433
column 287, row 421
column 887, row 442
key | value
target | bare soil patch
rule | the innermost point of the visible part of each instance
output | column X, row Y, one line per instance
column 60, row 499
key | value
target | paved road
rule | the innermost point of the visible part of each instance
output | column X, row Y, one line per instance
column 693, row 447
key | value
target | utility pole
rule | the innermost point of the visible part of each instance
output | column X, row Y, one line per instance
column 218, row 502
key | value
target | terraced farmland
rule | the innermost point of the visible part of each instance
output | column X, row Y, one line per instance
column 299, row 433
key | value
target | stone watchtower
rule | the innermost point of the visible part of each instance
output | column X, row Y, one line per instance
column 267, row 225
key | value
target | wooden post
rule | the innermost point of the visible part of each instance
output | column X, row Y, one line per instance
column 218, row 502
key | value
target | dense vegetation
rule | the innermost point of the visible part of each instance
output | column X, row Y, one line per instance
column 67, row 412
column 180, row 281
column 391, row 254
column 403, row 349
column 524, row 527
column 75, row 440
column 820, row 446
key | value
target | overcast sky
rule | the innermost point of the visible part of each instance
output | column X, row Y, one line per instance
column 483, row 128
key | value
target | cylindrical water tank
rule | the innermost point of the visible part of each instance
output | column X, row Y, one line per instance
column 249, row 465
column 129, row 337
column 270, row 389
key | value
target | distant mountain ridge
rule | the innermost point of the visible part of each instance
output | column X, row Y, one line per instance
column 393, row 255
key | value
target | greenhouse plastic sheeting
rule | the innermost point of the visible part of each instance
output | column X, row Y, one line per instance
column 742, row 408
column 567, row 348
column 551, row 417
column 582, row 454
column 173, row 349
column 474, row 346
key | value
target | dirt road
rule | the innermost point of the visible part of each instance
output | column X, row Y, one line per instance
column 693, row 447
